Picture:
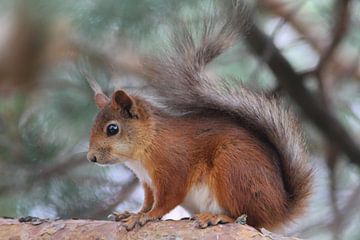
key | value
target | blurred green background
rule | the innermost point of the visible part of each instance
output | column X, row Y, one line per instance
column 46, row 105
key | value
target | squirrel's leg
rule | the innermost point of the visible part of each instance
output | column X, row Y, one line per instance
column 148, row 199
column 204, row 220
column 147, row 205
column 164, row 201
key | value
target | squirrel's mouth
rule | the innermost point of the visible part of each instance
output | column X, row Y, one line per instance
column 112, row 160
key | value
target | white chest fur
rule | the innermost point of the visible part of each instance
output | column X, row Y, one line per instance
column 200, row 199
column 139, row 171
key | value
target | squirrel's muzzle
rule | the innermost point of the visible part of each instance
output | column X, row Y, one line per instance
column 91, row 157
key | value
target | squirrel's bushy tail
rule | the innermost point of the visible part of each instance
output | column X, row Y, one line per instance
column 180, row 78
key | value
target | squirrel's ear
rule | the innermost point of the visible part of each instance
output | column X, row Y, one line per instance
column 101, row 100
column 121, row 101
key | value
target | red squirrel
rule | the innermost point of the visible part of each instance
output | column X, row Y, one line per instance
column 216, row 149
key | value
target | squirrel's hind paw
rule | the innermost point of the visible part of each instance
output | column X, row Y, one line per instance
column 204, row 220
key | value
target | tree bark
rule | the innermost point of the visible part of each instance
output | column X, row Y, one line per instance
column 94, row 229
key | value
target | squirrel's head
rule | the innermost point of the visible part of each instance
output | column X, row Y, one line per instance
column 120, row 129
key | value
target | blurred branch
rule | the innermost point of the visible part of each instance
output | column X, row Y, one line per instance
column 118, row 57
column 341, row 9
column 46, row 173
column 340, row 64
column 341, row 25
column 345, row 215
column 111, row 204
column 31, row 46
column 293, row 83
column 326, row 80
column 21, row 57
column 268, row 48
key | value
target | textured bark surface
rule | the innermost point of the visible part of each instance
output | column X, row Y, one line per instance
column 92, row 229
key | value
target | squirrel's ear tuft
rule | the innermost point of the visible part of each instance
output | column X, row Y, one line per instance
column 121, row 101
column 101, row 100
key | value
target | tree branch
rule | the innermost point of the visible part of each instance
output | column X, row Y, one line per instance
column 90, row 229
column 293, row 83
column 340, row 28
column 340, row 63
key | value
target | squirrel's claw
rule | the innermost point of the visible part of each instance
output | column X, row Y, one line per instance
column 117, row 216
column 242, row 219
column 204, row 220
column 136, row 220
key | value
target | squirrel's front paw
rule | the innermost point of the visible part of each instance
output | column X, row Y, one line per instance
column 137, row 219
column 117, row 216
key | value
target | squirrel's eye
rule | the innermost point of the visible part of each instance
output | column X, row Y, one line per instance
column 112, row 129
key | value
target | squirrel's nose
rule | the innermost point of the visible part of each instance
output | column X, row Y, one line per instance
column 91, row 157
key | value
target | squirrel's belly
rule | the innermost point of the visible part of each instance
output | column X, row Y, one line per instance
column 199, row 199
